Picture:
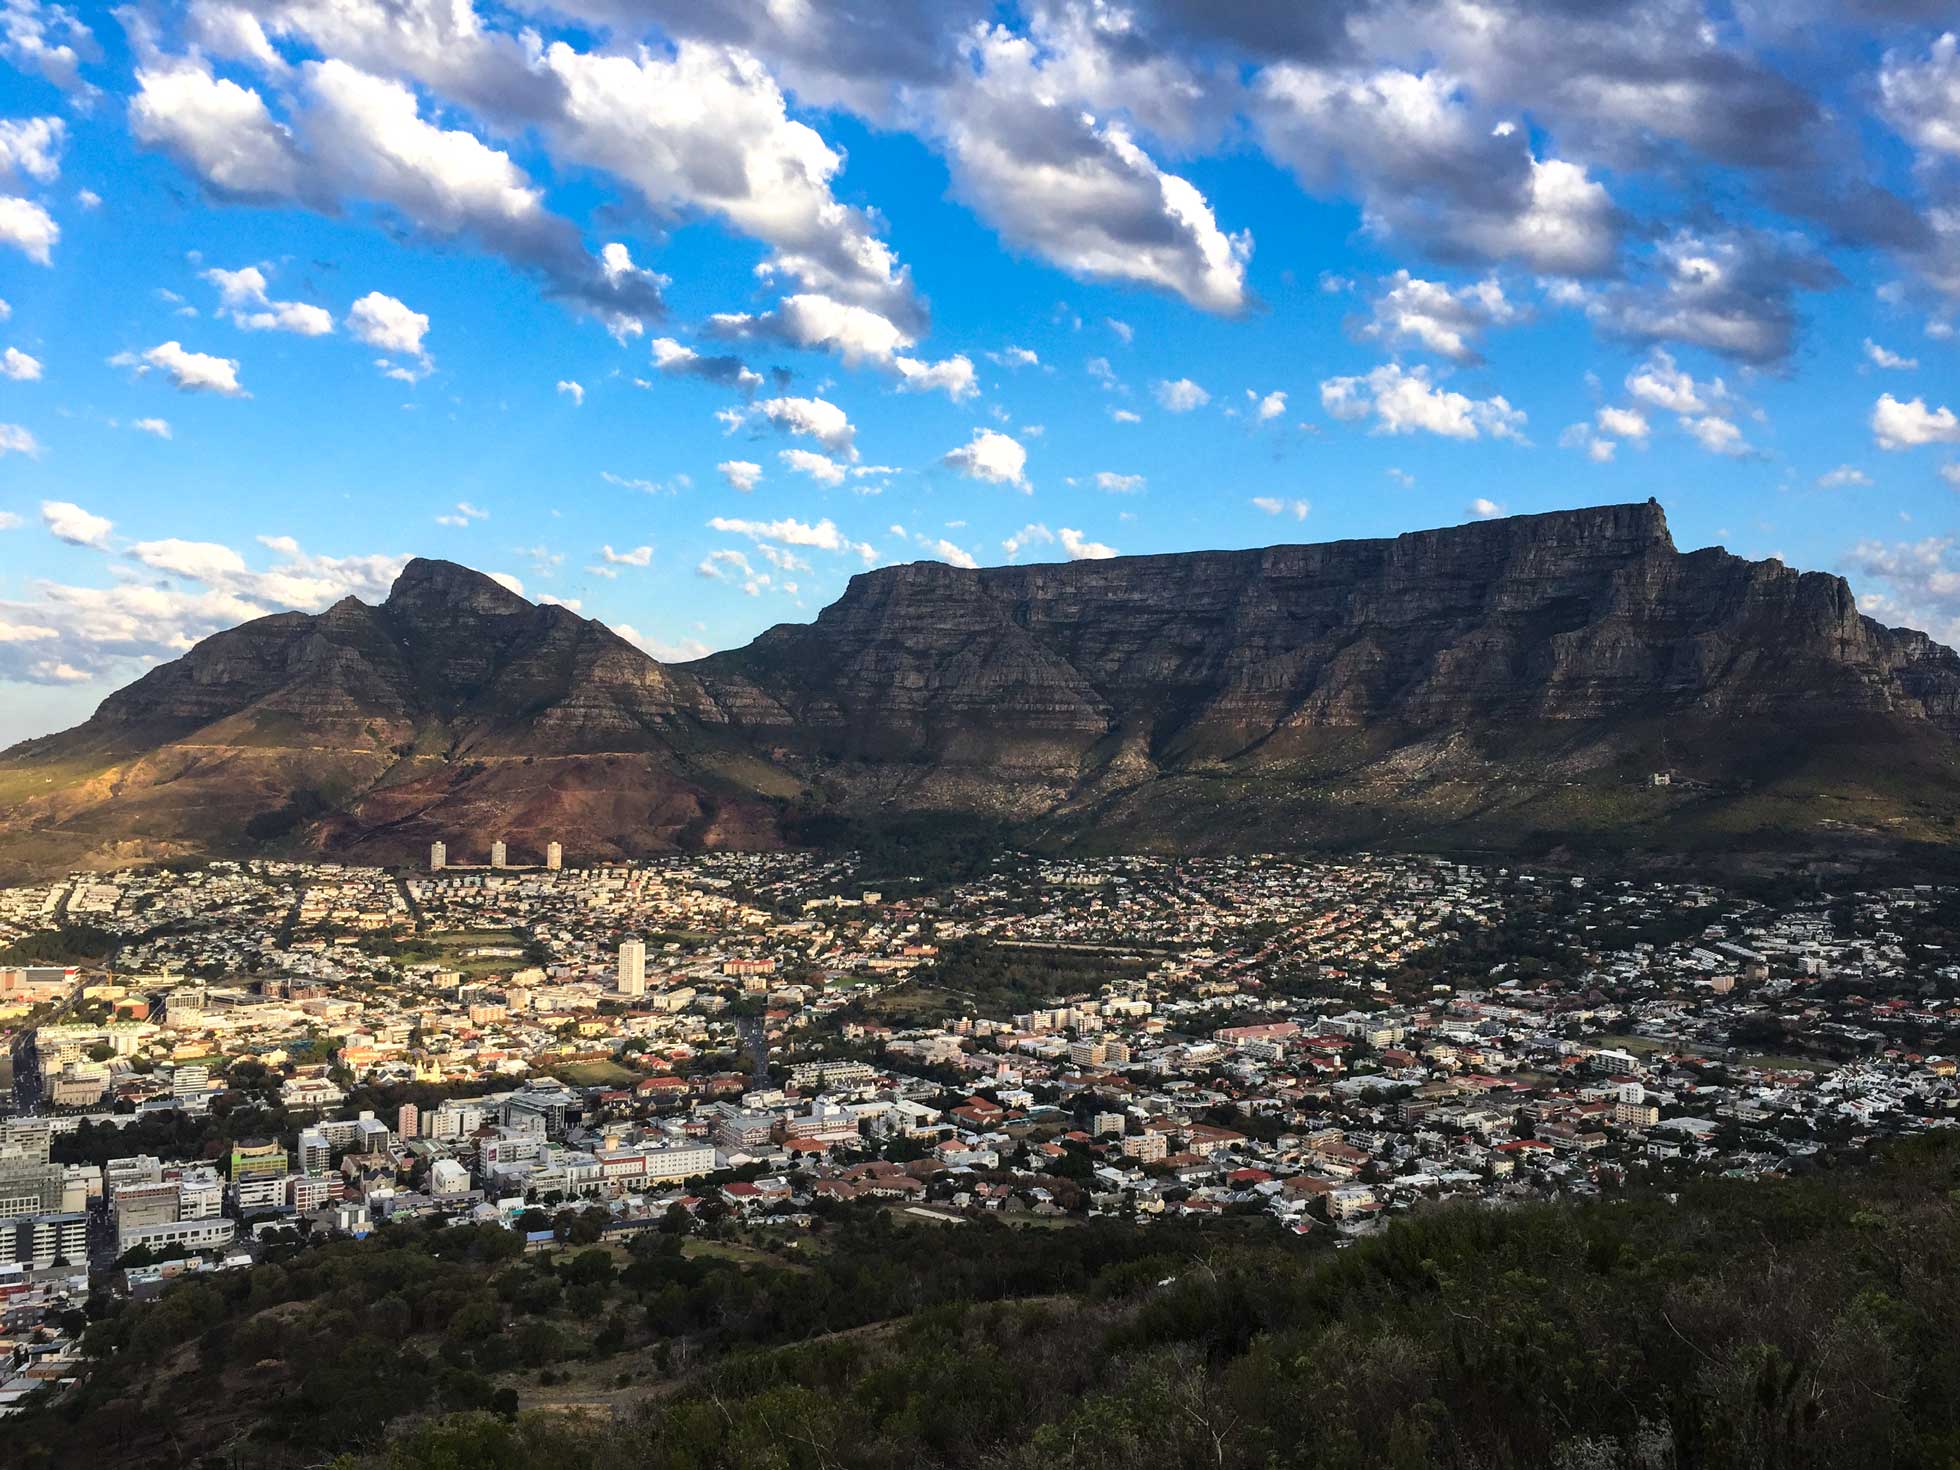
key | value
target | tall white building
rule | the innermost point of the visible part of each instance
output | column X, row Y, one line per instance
column 438, row 857
column 496, row 854
column 554, row 856
column 632, row 967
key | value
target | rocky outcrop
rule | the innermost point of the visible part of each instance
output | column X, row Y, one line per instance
column 1488, row 682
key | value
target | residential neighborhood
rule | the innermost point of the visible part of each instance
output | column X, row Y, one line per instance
column 267, row 1053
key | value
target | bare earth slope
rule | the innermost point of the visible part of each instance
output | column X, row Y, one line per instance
column 1508, row 682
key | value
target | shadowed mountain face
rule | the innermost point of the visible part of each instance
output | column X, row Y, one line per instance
column 1506, row 682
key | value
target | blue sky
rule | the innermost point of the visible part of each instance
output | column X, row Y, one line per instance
column 300, row 288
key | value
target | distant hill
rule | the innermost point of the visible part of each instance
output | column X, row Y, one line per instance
column 1508, row 685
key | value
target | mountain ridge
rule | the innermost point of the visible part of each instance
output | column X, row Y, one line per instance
column 1509, row 681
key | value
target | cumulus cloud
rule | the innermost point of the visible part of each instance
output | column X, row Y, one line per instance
column 1917, row 583
column 1274, row 505
column 160, row 428
column 1884, row 357
column 1430, row 167
column 1405, row 401
column 32, row 146
column 810, row 418
column 1075, row 189
column 354, row 135
column 819, row 467
column 1732, row 292
column 823, row 536
column 1117, row 484
column 29, row 228
column 189, row 372
column 1266, row 407
column 16, row 440
column 741, row 474
column 572, row 390
column 1080, row 548
column 19, row 366
column 49, row 40
column 1181, row 395
column 68, row 522
column 676, row 359
column 390, row 325
column 1032, row 534
column 1437, row 318
column 990, row 455
column 858, row 334
column 1908, row 425
column 1841, row 477
column 948, row 552
column 243, row 298
column 1483, row 510
column 639, row 556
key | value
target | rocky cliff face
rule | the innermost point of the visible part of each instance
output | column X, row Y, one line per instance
column 1486, row 682
column 1575, row 616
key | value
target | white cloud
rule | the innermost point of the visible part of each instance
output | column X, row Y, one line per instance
column 819, row 467
column 1950, row 472
column 1125, row 416
column 1032, row 534
column 1117, row 484
column 1181, row 396
column 1483, row 510
column 244, row 299
column 1886, row 358
column 1075, row 189
column 856, row 333
column 1662, row 383
column 32, row 146
column 387, row 324
column 1716, row 435
column 677, row 359
column 813, row 418
column 823, row 536
column 639, row 556
column 16, row 440
column 991, row 456
column 19, row 366
column 68, row 522
column 1842, row 476
column 462, row 515
column 1080, row 548
column 1622, row 423
column 1897, row 425
column 1428, row 314
column 572, row 390
column 946, row 551
column 1274, row 505
column 1403, row 401
column 28, row 228
column 201, row 561
column 506, row 581
column 1016, row 357
column 741, row 474
column 1268, row 407
column 191, row 372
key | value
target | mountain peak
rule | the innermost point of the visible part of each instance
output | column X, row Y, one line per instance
column 431, row 582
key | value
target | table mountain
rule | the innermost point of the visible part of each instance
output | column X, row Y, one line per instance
column 1505, row 683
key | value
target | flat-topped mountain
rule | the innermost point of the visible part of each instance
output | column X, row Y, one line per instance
column 1510, row 681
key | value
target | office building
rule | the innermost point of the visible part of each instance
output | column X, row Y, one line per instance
column 39, row 1241
column 438, row 857
column 257, row 1158
column 554, row 856
column 632, row 967
column 497, row 854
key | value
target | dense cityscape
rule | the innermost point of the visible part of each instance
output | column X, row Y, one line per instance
column 263, row 1056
